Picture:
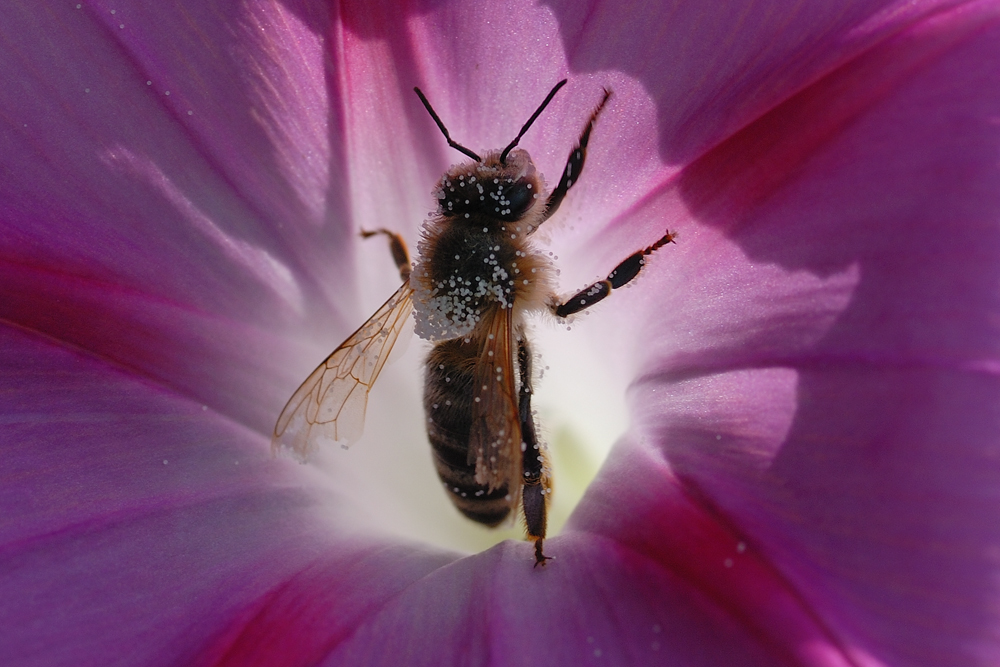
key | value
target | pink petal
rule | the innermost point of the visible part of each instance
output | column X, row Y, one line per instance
column 819, row 157
column 138, row 525
column 599, row 603
column 832, row 410
column 163, row 206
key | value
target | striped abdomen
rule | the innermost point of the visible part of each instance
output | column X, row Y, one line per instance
column 448, row 400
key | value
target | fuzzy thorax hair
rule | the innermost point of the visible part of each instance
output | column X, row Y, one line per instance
column 474, row 253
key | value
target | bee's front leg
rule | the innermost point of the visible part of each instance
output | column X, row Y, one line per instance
column 400, row 255
column 574, row 164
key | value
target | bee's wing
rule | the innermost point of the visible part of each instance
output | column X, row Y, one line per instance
column 331, row 403
column 495, row 435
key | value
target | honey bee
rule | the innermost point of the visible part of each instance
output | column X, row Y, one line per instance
column 476, row 278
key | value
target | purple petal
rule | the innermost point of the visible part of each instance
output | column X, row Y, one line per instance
column 809, row 479
column 160, row 202
column 832, row 410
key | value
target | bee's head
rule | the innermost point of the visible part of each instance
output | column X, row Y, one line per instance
column 504, row 185
column 491, row 189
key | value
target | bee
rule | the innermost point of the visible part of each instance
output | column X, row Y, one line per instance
column 476, row 278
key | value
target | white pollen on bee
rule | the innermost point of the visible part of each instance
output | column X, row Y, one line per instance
column 490, row 353
column 507, row 497
column 486, row 229
column 466, row 215
column 441, row 367
column 529, row 186
column 491, row 336
column 457, row 257
column 447, row 402
column 524, row 446
column 513, row 236
column 435, row 406
column 484, row 387
column 525, row 282
column 477, row 399
column 447, row 379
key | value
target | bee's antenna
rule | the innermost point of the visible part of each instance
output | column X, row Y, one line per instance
column 444, row 130
column 510, row 146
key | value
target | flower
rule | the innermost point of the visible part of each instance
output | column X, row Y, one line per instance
column 809, row 474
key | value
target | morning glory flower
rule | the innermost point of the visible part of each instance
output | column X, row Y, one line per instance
column 805, row 384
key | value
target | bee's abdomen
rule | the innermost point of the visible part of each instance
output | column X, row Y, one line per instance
column 448, row 405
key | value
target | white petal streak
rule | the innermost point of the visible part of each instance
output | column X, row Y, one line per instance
column 257, row 262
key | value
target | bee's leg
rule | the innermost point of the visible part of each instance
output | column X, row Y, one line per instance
column 397, row 245
column 622, row 275
column 574, row 164
column 534, row 494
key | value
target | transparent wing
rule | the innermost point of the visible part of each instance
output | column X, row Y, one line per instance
column 331, row 403
column 495, row 435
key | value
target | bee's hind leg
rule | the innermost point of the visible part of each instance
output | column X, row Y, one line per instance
column 397, row 246
column 536, row 488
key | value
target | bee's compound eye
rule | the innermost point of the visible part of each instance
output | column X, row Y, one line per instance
column 519, row 196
